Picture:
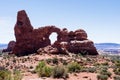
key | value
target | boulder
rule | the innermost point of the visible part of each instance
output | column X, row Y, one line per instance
column 48, row 49
column 10, row 46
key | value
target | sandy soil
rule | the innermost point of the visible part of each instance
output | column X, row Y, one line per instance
column 24, row 63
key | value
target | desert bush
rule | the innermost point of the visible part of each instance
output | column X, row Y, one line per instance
column 46, row 71
column 103, row 68
column 96, row 64
column 31, row 67
column 116, row 71
column 88, row 59
column 116, row 68
column 84, row 69
column 48, row 60
column 116, row 64
column 40, row 65
column 59, row 72
column 102, row 77
column 43, row 70
column 118, row 60
column 5, row 75
column 116, row 77
column 105, row 72
column 74, row 67
column 55, row 60
column 88, row 69
column 14, row 60
column 17, row 75
column 105, row 64
column 115, row 59
column 64, row 62
column 91, row 69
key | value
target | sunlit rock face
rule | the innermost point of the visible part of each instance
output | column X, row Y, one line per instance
column 29, row 40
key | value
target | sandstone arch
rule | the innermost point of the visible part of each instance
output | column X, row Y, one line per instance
column 29, row 40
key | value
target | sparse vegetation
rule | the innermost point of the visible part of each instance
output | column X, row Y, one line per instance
column 96, row 64
column 59, row 72
column 105, row 72
column 8, row 75
column 17, row 75
column 105, row 64
column 55, row 60
column 46, row 71
column 48, row 60
column 60, row 67
column 64, row 62
column 91, row 69
column 117, row 71
column 74, row 67
column 116, row 77
column 5, row 75
column 40, row 66
column 102, row 77
column 43, row 70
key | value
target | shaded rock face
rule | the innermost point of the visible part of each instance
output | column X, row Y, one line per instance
column 10, row 47
column 29, row 40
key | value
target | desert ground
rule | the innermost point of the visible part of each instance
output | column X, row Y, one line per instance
column 86, row 67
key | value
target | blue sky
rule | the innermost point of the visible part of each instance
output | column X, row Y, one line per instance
column 99, row 18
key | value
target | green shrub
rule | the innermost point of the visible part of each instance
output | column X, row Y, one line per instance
column 91, row 69
column 84, row 69
column 74, row 67
column 117, row 71
column 88, row 59
column 64, row 62
column 102, row 77
column 105, row 72
column 48, row 60
column 117, row 64
column 104, row 68
column 55, row 60
column 96, row 64
column 105, row 64
column 17, row 75
column 117, row 60
column 46, row 71
column 14, row 60
column 40, row 65
column 116, row 77
column 59, row 72
column 43, row 70
column 5, row 75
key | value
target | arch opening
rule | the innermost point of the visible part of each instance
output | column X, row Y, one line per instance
column 53, row 37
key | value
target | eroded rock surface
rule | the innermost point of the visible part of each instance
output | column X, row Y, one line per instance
column 29, row 40
column 10, row 47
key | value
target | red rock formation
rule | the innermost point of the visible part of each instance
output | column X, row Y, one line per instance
column 76, row 42
column 10, row 46
column 29, row 40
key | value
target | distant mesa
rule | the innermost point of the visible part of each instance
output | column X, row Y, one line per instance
column 30, row 40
